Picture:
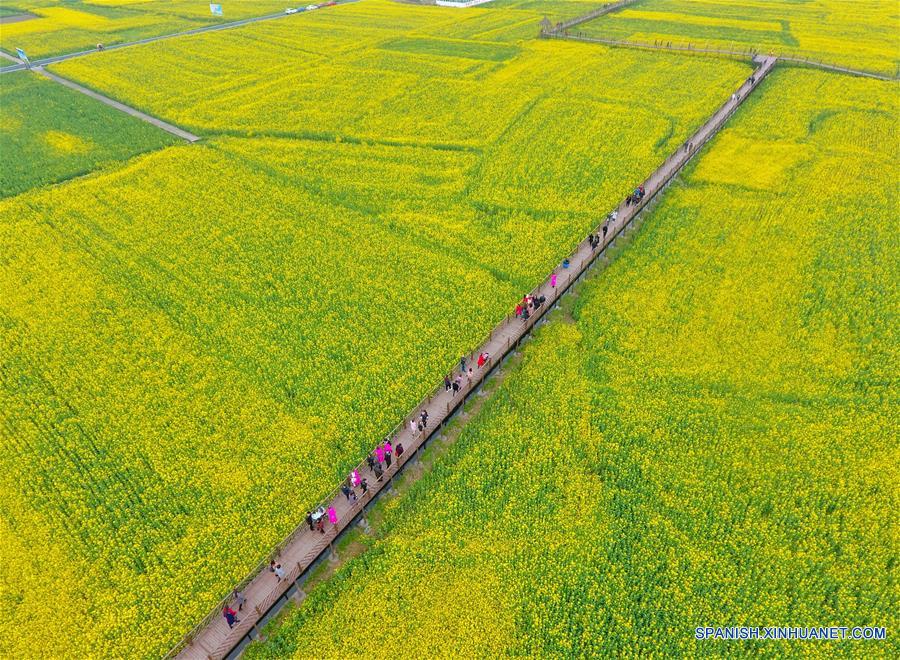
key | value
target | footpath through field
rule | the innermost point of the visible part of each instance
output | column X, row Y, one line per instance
column 561, row 32
column 212, row 638
column 127, row 109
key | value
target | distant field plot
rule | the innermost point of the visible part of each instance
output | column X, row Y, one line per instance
column 205, row 339
column 49, row 133
column 853, row 33
column 347, row 74
column 63, row 27
column 707, row 432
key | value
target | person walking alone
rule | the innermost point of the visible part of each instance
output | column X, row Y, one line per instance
column 239, row 599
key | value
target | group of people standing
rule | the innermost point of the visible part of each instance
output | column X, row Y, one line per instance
column 529, row 304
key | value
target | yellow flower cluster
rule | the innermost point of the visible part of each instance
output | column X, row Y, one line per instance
column 711, row 442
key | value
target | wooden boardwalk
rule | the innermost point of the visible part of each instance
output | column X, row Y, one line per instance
column 749, row 51
column 211, row 638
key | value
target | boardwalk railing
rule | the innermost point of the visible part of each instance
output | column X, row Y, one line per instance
column 584, row 18
column 211, row 638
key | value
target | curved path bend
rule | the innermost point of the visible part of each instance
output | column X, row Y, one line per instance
column 211, row 639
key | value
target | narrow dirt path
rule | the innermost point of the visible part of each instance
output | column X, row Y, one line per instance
column 128, row 110
column 212, row 638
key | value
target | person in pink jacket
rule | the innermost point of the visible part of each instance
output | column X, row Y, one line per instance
column 332, row 515
column 553, row 280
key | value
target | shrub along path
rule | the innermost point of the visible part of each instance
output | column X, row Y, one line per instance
column 212, row 638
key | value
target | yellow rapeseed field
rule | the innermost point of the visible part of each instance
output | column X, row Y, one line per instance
column 705, row 436
column 860, row 34
column 199, row 343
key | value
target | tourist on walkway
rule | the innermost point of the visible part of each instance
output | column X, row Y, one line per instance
column 378, row 471
column 364, row 485
column 424, row 416
column 279, row 572
column 332, row 515
column 447, row 383
column 399, row 450
column 387, row 455
column 605, row 228
column 230, row 616
column 345, row 489
column 370, row 461
column 457, row 385
column 553, row 280
column 354, row 478
column 412, row 427
column 462, row 364
column 309, row 520
column 318, row 517
column 239, row 599
column 379, row 454
column 518, row 311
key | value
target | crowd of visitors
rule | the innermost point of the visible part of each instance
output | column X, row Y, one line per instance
column 379, row 460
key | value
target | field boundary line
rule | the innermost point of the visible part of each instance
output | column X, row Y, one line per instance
column 161, row 37
column 211, row 638
column 121, row 107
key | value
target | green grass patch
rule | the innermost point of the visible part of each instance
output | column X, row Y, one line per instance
column 49, row 133
column 473, row 50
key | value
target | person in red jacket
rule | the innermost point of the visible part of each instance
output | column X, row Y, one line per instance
column 230, row 616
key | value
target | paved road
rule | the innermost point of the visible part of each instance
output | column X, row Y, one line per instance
column 212, row 638
column 159, row 123
column 207, row 28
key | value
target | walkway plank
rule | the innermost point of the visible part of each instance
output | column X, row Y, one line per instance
column 211, row 638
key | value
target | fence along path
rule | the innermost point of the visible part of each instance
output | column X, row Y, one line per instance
column 211, row 638
column 591, row 15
